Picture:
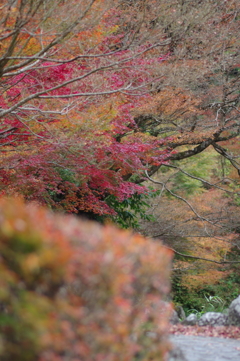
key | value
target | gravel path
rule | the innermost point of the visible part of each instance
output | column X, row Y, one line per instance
column 200, row 348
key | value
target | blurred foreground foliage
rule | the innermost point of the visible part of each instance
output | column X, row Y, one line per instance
column 75, row 290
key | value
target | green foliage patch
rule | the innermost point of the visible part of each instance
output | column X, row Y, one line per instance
column 132, row 209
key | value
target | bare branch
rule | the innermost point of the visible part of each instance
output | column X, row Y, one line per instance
column 226, row 155
column 201, row 179
column 198, row 216
column 201, row 258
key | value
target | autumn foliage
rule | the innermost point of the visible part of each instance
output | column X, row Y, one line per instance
column 94, row 93
column 77, row 290
column 69, row 84
column 98, row 96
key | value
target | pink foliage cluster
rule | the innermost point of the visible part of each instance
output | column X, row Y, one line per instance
column 78, row 172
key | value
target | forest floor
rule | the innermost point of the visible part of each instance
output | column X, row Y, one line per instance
column 207, row 331
column 195, row 343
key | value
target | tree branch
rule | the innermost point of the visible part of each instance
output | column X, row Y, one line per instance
column 201, row 258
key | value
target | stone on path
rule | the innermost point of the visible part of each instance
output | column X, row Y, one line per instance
column 190, row 320
column 212, row 319
column 233, row 316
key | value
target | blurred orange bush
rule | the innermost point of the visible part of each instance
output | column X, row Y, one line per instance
column 75, row 290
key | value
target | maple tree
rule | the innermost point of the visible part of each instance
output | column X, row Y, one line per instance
column 199, row 110
column 197, row 212
column 63, row 115
column 102, row 93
